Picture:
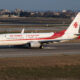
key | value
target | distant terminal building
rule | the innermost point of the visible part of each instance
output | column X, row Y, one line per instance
column 64, row 11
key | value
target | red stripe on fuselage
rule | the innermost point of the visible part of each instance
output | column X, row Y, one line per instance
column 54, row 36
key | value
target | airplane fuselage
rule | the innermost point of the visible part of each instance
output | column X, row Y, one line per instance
column 21, row 39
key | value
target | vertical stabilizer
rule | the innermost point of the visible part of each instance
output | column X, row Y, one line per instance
column 74, row 26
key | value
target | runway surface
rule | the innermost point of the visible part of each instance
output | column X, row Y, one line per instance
column 49, row 50
column 34, row 29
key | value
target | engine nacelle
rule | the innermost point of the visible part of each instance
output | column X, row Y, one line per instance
column 35, row 44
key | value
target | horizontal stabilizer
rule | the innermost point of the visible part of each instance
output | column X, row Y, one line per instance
column 78, row 34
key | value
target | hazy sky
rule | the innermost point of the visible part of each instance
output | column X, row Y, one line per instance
column 40, row 4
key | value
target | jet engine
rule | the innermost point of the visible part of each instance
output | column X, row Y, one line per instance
column 34, row 44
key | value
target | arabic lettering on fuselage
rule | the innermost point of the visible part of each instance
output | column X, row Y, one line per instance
column 22, row 36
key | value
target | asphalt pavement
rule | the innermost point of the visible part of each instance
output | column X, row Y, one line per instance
column 49, row 50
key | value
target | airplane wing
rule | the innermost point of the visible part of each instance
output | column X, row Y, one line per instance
column 51, row 41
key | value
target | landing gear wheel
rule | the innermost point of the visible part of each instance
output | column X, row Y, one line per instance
column 41, row 47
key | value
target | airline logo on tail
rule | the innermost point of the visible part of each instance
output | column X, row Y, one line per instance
column 75, row 25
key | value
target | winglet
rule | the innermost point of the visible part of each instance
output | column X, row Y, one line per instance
column 22, row 31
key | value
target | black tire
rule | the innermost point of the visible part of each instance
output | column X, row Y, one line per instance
column 41, row 47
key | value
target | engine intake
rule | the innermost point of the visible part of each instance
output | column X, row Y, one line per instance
column 35, row 44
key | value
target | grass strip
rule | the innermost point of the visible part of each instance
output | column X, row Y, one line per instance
column 25, row 73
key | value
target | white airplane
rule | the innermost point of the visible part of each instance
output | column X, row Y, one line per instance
column 38, row 39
